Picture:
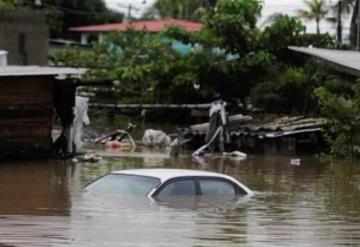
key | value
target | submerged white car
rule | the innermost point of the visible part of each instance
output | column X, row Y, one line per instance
column 164, row 183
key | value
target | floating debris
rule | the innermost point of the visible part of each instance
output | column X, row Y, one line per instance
column 236, row 154
column 156, row 138
column 88, row 157
column 295, row 162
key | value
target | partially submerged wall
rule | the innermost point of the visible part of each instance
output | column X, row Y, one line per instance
column 26, row 115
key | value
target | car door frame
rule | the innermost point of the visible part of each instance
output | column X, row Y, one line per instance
column 238, row 190
column 158, row 190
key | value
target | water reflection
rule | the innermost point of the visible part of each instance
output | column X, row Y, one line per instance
column 314, row 204
column 39, row 188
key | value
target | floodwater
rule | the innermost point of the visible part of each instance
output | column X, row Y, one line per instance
column 306, row 204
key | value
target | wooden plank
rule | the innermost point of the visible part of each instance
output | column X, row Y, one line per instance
column 24, row 100
column 27, row 112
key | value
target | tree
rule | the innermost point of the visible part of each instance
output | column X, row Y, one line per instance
column 148, row 68
column 354, row 22
column 68, row 13
column 342, row 114
column 291, row 89
column 234, row 22
column 317, row 11
column 228, row 59
column 6, row 5
column 283, row 31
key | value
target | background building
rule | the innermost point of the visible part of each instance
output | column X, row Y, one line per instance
column 24, row 35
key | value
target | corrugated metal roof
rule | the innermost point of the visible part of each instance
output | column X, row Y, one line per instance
column 37, row 70
column 151, row 26
column 344, row 61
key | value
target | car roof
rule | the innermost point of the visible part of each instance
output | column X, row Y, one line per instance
column 166, row 174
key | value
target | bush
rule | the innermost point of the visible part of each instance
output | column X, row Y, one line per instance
column 291, row 91
column 315, row 40
column 342, row 115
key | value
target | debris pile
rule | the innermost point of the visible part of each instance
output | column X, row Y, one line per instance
column 247, row 134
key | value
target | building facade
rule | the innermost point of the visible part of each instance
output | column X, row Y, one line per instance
column 24, row 35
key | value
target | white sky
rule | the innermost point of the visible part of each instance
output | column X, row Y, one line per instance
column 270, row 7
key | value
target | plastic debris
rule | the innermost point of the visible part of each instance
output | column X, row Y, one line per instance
column 89, row 157
column 81, row 118
column 236, row 155
column 156, row 138
column 295, row 162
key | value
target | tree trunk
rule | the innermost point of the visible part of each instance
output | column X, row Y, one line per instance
column 353, row 25
column 339, row 25
column 318, row 26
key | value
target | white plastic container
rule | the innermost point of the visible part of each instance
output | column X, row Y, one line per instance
column 3, row 58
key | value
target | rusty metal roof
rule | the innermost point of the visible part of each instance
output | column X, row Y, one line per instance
column 40, row 71
column 149, row 25
column 343, row 61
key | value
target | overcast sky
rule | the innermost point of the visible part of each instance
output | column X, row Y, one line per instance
column 271, row 6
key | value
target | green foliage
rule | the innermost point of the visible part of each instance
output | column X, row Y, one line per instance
column 177, row 9
column 68, row 13
column 234, row 22
column 343, row 115
column 285, row 31
column 282, row 32
column 317, row 11
column 234, row 79
column 6, row 5
column 205, row 37
column 231, row 59
column 291, row 91
column 315, row 40
column 148, row 68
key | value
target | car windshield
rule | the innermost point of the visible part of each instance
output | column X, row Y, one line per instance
column 123, row 184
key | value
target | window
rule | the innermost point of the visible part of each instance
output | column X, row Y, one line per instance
column 210, row 187
column 178, row 188
column 123, row 184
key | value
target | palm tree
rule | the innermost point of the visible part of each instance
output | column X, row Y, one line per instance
column 317, row 11
column 354, row 22
column 352, row 7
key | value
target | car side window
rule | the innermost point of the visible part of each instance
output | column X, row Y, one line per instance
column 178, row 188
column 123, row 184
column 210, row 187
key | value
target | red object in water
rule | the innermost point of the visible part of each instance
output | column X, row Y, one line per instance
column 113, row 144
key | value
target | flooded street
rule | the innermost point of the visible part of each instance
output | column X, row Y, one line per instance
column 314, row 204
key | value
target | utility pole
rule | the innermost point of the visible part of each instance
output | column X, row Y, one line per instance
column 129, row 12
column 130, row 8
column 339, row 24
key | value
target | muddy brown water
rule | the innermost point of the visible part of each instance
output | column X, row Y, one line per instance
column 314, row 204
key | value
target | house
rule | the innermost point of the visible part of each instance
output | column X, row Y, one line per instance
column 30, row 96
column 96, row 32
column 24, row 35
